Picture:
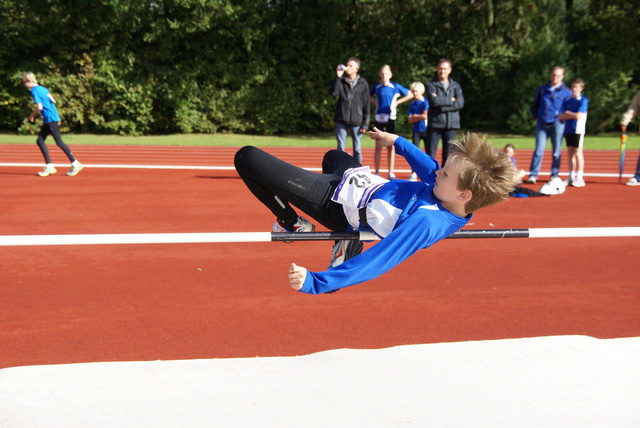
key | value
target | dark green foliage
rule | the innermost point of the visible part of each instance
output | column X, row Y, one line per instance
column 140, row 67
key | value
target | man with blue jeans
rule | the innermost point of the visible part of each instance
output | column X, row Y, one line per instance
column 352, row 110
column 632, row 111
column 546, row 107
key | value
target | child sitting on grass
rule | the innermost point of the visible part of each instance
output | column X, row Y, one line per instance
column 407, row 216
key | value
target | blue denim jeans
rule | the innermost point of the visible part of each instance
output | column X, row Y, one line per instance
column 341, row 136
column 554, row 132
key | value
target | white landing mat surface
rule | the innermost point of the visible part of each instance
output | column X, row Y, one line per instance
column 560, row 381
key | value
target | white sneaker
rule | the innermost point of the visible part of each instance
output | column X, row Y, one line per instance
column 578, row 182
column 555, row 186
column 76, row 167
column 344, row 250
column 47, row 171
column 633, row 182
column 392, row 176
column 554, row 180
column 413, row 177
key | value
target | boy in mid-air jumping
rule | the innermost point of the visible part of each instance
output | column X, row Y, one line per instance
column 407, row 216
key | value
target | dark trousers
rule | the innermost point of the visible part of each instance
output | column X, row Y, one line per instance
column 278, row 185
column 52, row 129
column 433, row 138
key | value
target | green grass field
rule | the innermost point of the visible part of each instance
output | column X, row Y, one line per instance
column 599, row 142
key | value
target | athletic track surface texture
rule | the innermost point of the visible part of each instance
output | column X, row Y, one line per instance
column 148, row 302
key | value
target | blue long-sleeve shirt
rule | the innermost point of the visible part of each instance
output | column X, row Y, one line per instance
column 419, row 221
column 547, row 103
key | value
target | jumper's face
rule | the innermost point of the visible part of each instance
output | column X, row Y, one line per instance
column 443, row 71
column 446, row 187
column 385, row 76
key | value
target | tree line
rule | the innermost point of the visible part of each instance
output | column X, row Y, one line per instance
column 137, row 67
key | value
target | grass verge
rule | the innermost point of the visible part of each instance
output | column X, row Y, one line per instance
column 596, row 142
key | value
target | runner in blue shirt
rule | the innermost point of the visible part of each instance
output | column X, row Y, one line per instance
column 46, row 107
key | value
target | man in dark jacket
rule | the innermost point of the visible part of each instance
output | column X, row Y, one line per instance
column 352, row 111
column 445, row 102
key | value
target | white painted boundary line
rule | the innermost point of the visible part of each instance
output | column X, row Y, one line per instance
column 231, row 168
column 584, row 232
column 125, row 166
column 134, row 238
column 239, row 237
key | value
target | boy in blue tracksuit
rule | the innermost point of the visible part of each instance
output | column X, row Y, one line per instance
column 408, row 216
column 46, row 107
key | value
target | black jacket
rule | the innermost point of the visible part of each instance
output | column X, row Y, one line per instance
column 444, row 113
column 353, row 105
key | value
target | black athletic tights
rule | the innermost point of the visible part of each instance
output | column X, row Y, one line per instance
column 277, row 184
column 52, row 129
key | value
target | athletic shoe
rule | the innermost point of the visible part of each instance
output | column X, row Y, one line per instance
column 578, row 182
column 344, row 250
column 633, row 182
column 47, row 171
column 301, row 225
column 392, row 176
column 76, row 167
column 413, row 177
column 555, row 186
column 531, row 180
column 555, row 180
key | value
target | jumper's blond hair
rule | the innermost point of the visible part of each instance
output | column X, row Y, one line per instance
column 483, row 170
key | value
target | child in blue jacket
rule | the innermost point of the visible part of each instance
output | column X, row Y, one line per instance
column 407, row 216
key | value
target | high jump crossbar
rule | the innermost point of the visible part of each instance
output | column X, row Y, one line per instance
column 228, row 237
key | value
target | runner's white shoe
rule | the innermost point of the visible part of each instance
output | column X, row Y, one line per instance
column 633, row 182
column 48, row 170
column 76, row 167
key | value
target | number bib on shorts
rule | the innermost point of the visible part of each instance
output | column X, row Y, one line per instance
column 357, row 187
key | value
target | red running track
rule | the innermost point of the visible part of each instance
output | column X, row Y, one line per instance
column 148, row 302
column 598, row 162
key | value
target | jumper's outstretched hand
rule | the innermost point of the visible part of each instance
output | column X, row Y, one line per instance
column 297, row 275
column 384, row 138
